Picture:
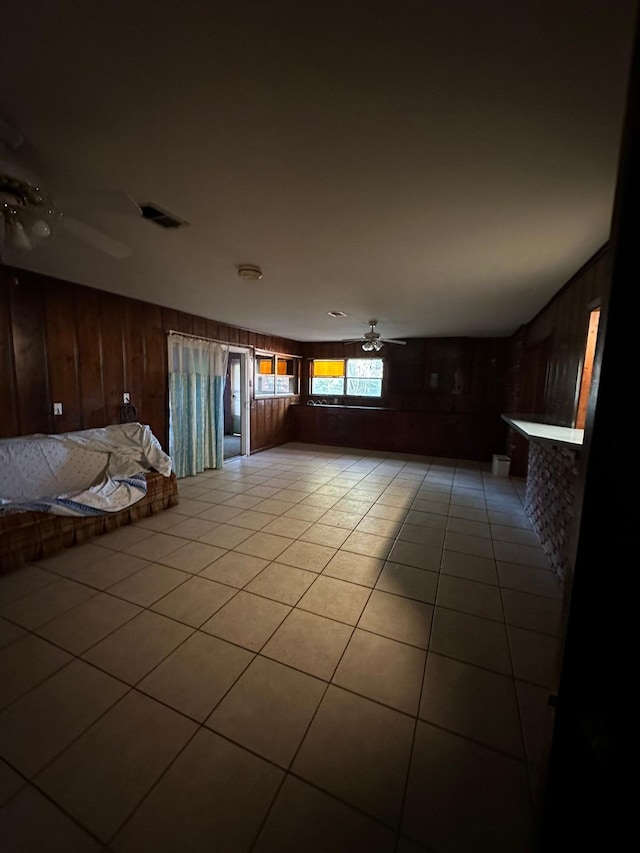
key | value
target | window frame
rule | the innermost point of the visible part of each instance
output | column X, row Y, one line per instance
column 344, row 395
column 277, row 357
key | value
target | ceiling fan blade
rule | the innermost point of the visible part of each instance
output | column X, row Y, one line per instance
column 353, row 340
column 96, row 238
column 104, row 201
column 392, row 341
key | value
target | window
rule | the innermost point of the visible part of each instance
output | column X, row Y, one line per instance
column 275, row 375
column 350, row 377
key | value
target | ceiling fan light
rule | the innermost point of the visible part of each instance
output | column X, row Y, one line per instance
column 368, row 346
column 40, row 229
column 377, row 345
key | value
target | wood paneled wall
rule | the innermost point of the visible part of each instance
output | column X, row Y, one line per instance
column 549, row 354
column 63, row 342
column 441, row 397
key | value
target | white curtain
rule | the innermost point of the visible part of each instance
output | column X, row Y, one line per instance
column 197, row 371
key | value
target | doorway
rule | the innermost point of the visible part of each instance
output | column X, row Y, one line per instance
column 236, row 426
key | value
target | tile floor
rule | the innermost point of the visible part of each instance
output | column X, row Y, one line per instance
column 318, row 649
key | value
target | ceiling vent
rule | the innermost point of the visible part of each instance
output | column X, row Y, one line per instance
column 161, row 217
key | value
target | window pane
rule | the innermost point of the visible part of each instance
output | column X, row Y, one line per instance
column 334, row 367
column 283, row 384
column 364, row 387
column 367, row 368
column 265, row 384
column 322, row 385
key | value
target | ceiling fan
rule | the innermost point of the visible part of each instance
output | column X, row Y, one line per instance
column 29, row 214
column 372, row 341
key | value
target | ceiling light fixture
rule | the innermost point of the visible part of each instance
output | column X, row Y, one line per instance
column 249, row 272
column 26, row 214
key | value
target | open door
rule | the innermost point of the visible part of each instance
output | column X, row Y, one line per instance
column 236, row 396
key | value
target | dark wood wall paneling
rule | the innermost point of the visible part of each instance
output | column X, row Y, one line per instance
column 459, row 418
column 63, row 342
column 552, row 349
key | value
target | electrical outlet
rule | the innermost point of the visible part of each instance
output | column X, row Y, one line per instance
column 57, row 408
column 126, row 397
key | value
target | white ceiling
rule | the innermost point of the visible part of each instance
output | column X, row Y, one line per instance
column 441, row 165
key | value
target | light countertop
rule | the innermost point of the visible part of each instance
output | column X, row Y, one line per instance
column 537, row 431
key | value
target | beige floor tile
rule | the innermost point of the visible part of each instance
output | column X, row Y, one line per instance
column 535, row 656
column 226, row 536
column 188, row 507
column 473, row 702
column 149, row 584
column 30, row 823
column 285, row 526
column 10, row 784
column 342, row 518
column 477, row 546
column 133, row 650
column 247, row 620
column 107, row 571
column 25, row 663
column 436, row 505
column 420, row 534
column 193, row 557
column 243, row 501
column 510, row 519
column 194, row 677
column 317, row 500
column 532, row 611
column 104, row 774
column 122, row 537
column 367, row 544
column 409, row 582
column 386, row 512
column 9, row 632
column 379, row 526
column 398, row 618
column 306, row 555
column 305, row 512
column 418, row 556
column 264, row 545
column 194, row 601
column 322, row 824
column 221, row 513
column 309, row 643
column 517, row 535
column 471, row 639
column 348, row 505
column 359, row 751
column 383, row 670
column 156, row 546
column 194, row 808
column 262, row 491
column 469, row 566
column 429, row 520
column 252, row 519
column 46, row 603
column 22, row 581
column 526, row 555
column 355, row 568
column 274, row 506
column 88, row 623
column 192, row 528
column 468, row 527
column 269, row 709
column 335, row 599
column 481, row 599
column 463, row 796
column 323, row 534
column 43, row 722
column 161, row 521
column 282, row 583
column 468, row 513
column 529, row 580
column 234, row 569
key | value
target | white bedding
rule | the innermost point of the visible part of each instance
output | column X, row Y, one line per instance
column 79, row 473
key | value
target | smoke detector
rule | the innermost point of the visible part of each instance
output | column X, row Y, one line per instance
column 249, row 272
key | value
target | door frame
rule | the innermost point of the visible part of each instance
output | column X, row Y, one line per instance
column 246, row 361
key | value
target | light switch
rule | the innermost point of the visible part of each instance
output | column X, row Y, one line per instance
column 57, row 408
column 126, row 397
